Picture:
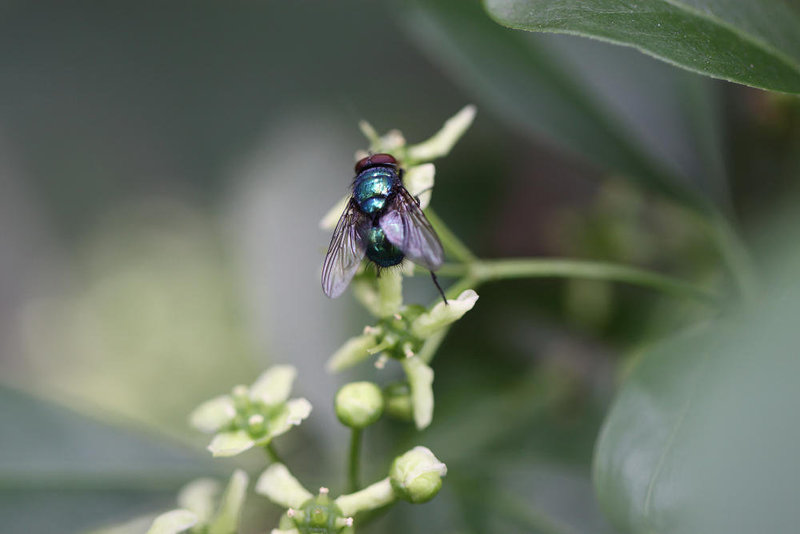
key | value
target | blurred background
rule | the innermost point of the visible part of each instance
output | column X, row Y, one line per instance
column 164, row 167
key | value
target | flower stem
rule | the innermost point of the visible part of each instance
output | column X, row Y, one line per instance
column 490, row 270
column 431, row 345
column 478, row 272
column 354, row 460
column 272, row 454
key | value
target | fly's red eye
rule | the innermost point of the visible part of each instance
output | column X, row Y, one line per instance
column 383, row 159
column 362, row 164
column 375, row 160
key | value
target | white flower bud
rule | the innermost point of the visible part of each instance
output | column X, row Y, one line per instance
column 443, row 141
column 417, row 475
column 443, row 314
column 359, row 404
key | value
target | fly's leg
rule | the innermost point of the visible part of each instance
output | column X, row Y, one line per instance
column 436, row 283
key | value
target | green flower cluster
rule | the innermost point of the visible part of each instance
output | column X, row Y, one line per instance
column 200, row 511
column 254, row 415
column 400, row 334
column 416, row 477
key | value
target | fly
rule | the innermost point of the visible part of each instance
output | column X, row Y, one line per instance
column 383, row 222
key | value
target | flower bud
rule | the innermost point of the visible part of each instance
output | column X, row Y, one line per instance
column 359, row 404
column 319, row 514
column 443, row 314
column 443, row 141
column 417, row 475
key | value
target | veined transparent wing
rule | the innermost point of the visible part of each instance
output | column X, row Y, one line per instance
column 407, row 228
column 345, row 252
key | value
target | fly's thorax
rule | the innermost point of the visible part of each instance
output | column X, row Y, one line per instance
column 380, row 250
column 373, row 187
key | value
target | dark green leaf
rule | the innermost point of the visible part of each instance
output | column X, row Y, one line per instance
column 704, row 435
column 63, row 472
column 548, row 86
column 756, row 43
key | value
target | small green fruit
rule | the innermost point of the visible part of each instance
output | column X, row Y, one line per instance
column 359, row 404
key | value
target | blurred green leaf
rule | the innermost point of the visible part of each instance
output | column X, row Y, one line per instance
column 43, row 442
column 704, row 434
column 151, row 301
column 754, row 43
column 61, row 471
column 535, row 85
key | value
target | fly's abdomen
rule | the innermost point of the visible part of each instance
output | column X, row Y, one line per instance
column 373, row 187
column 381, row 250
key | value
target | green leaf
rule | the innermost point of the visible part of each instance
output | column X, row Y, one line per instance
column 755, row 43
column 534, row 85
column 46, row 444
column 63, row 471
column 704, row 434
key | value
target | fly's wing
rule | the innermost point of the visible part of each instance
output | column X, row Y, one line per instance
column 407, row 228
column 345, row 252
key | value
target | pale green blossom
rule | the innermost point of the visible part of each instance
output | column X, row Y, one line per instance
column 252, row 416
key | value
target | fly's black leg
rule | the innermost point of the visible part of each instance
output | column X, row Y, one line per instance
column 436, row 283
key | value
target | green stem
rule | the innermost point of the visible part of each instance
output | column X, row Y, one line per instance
column 491, row 270
column 447, row 270
column 503, row 269
column 450, row 242
column 431, row 345
column 354, row 460
column 272, row 454
column 476, row 271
